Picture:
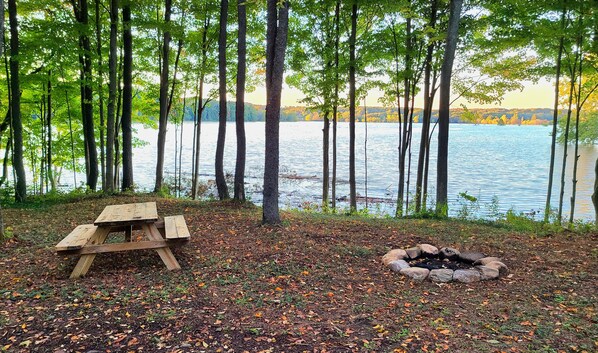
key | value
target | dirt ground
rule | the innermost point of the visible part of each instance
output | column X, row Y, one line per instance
column 315, row 284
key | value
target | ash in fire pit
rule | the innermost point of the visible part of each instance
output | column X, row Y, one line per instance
column 444, row 265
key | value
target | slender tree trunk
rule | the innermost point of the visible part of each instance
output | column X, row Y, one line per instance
column 276, row 43
column 555, row 117
column 325, row 159
column 15, row 105
column 127, row 97
column 163, row 123
column 200, row 106
column 112, row 78
column 100, row 93
column 181, row 144
column 423, row 145
column 336, row 97
column 578, row 106
column 82, row 14
column 595, row 194
column 573, row 73
column 219, row 163
column 49, row 160
column 239, row 192
column 444, row 107
column 352, row 103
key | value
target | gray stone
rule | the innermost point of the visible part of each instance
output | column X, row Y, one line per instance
column 428, row 250
column 398, row 265
column 414, row 252
column 486, row 260
column 487, row 273
column 471, row 257
column 449, row 253
column 503, row 270
column 442, row 275
column 466, row 276
column 393, row 255
column 415, row 273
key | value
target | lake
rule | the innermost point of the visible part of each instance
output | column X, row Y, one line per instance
column 485, row 161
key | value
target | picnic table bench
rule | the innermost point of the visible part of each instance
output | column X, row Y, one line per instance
column 88, row 240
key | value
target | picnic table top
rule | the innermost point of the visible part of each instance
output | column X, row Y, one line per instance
column 114, row 215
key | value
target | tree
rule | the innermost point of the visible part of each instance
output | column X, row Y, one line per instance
column 127, row 99
column 595, row 194
column 81, row 11
column 164, row 70
column 276, row 43
column 239, row 190
column 219, row 160
column 352, row 103
column 15, row 105
column 444, row 107
column 112, row 92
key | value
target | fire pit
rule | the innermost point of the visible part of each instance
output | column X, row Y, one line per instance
column 426, row 261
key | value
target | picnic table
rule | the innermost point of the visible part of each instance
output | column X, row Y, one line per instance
column 88, row 240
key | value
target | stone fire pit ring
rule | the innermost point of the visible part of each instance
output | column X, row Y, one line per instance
column 425, row 261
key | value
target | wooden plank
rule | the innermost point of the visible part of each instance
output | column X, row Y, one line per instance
column 176, row 227
column 165, row 254
column 116, row 247
column 99, row 237
column 116, row 215
column 77, row 238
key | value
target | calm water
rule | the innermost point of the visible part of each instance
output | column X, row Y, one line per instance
column 509, row 162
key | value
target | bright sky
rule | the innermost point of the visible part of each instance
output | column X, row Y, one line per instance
column 534, row 95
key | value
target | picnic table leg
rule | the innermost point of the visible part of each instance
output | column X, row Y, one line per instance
column 128, row 233
column 166, row 255
column 86, row 260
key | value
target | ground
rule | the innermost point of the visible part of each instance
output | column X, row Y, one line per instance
column 314, row 284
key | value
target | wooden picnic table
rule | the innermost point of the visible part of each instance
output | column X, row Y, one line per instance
column 88, row 240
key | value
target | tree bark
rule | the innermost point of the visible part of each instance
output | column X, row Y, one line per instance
column 100, row 93
column 336, row 97
column 239, row 192
column 219, row 162
column 276, row 43
column 80, row 8
column 423, row 145
column 127, row 98
column 595, row 195
column 112, row 78
column 15, row 105
column 163, row 121
column 49, row 160
column 200, row 106
column 444, row 107
column 352, row 103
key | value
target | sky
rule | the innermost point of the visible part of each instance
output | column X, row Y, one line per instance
column 534, row 95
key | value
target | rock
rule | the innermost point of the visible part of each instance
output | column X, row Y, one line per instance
column 487, row 273
column 398, row 265
column 466, row 276
column 501, row 267
column 428, row 250
column 414, row 252
column 416, row 273
column 393, row 255
column 486, row 260
column 449, row 253
column 442, row 275
column 471, row 257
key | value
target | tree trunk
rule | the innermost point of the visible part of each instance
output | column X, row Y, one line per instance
column 325, row 160
column 276, row 43
column 82, row 14
column 578, row 106
column 111, row 118
column 352, row 103
column 555, row 117
column 15, row 105
column 49, row 160
column 239, row 192
column 219, row 162
column 423, row 145
column 100, row 93
column 595, row 195
column 163, row 121
column 336, row 95
column 127, row 97
column 444, row 107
